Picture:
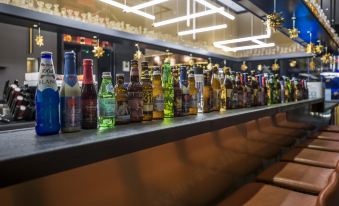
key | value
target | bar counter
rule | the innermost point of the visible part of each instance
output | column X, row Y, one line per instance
column 25, row 156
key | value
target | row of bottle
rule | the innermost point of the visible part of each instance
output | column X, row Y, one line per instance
column 166, row 93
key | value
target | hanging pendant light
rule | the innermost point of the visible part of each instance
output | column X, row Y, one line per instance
column 294, row 32
column 275, row 19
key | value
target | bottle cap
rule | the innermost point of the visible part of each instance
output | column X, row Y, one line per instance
column 120, row 75
column 87, row 62
column 70, row 54
column 46, row 54
column 198, row 70
column 156, row 72
column 191, row 76
column 106, row 74
column 144, row 64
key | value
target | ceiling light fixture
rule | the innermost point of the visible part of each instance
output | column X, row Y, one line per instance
column 145, row 5
column 204, row 29
column 255, row 39
column 212, row 7
column 128, row 8
column 184, row 18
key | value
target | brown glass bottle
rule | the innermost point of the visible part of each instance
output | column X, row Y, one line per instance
column 135, row 100
column 216, row 87
column 207, row 92
column 121, row 96
column 158, row 95
column 240, row 91
column 147, row 94
column 193, row 96
column 177, row 106
column 89, row 114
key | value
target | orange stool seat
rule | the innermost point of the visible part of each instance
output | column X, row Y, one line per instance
column 333, row 136
column 297, row 177
column 258, row 194
column 331, row 146
column 313, row 157
column 331, row 128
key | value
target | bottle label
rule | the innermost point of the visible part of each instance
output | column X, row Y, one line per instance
column 135, row 105
column 148, row 102
column 158, row 103
column 193, row 101
column 47, row 76
column 216, row 99
column 89, row 111
column 185, row 103
column 70, row 112
column 229, row 93
column 71, row 79
column 106, row 107
column 122, row 113
column 178, row 105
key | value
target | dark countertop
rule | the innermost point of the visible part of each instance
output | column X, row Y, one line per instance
column 25, row 156
column 16, row 125
column 330, row 105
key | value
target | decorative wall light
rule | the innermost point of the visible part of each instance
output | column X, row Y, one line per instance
column 293, row 63
column 275, row 66
column 310, row 46
column 294, row 32
column 244, row 67
column 312, row 64
column 39, row 39
column 319, row 48
column 138, row 54
column 275, row 19
column 98, row 51
column 325, row 59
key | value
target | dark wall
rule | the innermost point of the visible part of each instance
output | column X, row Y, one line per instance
column 14, row 46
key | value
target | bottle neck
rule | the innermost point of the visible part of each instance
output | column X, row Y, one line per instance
column 88, row 74
column 70, row 68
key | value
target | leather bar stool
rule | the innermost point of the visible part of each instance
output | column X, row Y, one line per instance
column 258, row 194
column 319, row 144
column 281, row 121
column 332, row 136
column 253, row 133
column 266, row 125
column 312, row 157
column 331, row 128
column 298, row 177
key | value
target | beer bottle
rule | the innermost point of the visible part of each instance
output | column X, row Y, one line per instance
column 199, row 84
column 88, row 97
column 193, row 96
column 177, row 106
column 70, row 97
column 47, row 98
column 122, row 112
column 207, row 92
column 158, row 95
column 215, row 83
column 185, row 91
column 147, row 95
column 135, row 100
column 106, row 102
column 167, row 85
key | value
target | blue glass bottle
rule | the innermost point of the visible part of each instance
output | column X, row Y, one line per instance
column 47, row 98
column 70, row 97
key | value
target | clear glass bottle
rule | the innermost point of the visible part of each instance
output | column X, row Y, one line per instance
column 158, row 95
column 106, row 102
column 122, row 112
column 199, row 84
column 135, row 98
column 70, row 97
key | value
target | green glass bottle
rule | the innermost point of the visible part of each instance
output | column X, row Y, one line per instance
column 167, row 85
column 106, row 102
